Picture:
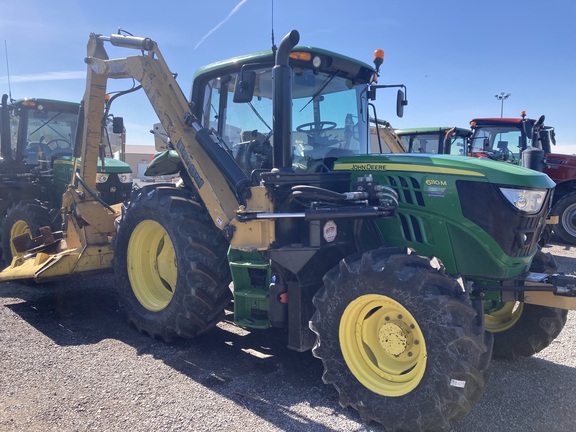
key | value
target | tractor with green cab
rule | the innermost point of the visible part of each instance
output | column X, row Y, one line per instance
column 389, row 267
column 36, row 165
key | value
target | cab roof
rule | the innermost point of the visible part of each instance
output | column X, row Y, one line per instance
column 499, row 120
column 429, row 130
column 48, row 104
column 332, row 61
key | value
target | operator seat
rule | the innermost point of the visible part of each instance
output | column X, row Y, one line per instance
column 254, row 151
column 504, row 151
column 33, row 153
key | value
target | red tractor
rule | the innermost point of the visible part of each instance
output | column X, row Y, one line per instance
column 528, row 142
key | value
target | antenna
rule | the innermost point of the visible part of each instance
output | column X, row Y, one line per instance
column 273, row 45
column 8, row 71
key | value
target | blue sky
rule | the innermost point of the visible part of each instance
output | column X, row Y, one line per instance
column 453, row 56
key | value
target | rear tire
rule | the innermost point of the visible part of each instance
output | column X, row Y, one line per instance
column 21, row 218
column 170, row 264
column 400, row 342
column 565, row 209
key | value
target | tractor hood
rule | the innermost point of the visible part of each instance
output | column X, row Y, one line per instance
column 461, row 209
column 448, row 165
column 560, row 167
column 561, row 159
column 110, row 165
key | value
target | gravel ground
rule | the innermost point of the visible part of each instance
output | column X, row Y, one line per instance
column 69, row 362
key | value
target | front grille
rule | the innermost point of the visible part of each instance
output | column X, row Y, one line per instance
column 484, row 204
column 408, row 190
column 411, row 228
column 113, row 191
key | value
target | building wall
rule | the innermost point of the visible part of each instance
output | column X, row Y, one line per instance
column 138, row 155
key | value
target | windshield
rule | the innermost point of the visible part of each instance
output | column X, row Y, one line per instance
column 331, row 122
column 48, row 134
column 498, row 142
column 421, row 143
column 434, row 142
column 328, row 119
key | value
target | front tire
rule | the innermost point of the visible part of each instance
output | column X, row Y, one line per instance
column 170, row 264
column 522, row 330
column 22, row 218
column 565, row 209
column 400, row 341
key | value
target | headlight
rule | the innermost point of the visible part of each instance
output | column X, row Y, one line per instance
column 125, row 178
column 528, row 201
column 101, row 178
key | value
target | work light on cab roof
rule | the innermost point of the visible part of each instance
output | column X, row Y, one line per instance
column 378, row 60
column 306, row 56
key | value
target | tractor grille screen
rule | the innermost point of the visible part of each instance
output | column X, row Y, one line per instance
column 113, row 191
column 516, row 233
column 408, row 190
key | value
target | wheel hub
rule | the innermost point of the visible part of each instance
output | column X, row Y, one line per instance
column 392, row 339
column 382, row 345
column 152, row 266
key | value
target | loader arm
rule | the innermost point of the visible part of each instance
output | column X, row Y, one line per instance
column 220, row 182
column 222, row 186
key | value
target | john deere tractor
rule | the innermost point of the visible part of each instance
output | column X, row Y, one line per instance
column 36, row 164
column 436, row 140
column 384, row 265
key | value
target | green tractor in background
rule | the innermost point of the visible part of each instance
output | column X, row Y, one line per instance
column 36, row 166
column 436, row 140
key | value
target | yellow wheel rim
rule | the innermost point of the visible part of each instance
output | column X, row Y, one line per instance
column 503, row 317
column 152, row 266
column 382, row 345
column 20, row 227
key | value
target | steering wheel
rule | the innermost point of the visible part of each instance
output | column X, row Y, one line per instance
column 316, row 126
column 58, row 143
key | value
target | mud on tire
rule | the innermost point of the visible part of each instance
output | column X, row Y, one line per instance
column 170, row 264
column 378, row 307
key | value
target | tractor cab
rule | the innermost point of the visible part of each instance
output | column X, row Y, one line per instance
column 38, row 131
column 330, row 97
column 436, row 140
column 505, row 139
column 38, row 137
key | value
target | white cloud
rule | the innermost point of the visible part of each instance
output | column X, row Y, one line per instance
column 221, row 23
column 47, row 76
column 564, row 148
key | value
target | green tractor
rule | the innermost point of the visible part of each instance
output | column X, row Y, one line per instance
column 389, row 267
column 442, row 212
column 36, row 165
column 436, row 140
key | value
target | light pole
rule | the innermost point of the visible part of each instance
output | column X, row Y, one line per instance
column 502, row 97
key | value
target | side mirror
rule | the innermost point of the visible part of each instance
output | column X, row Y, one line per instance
column 244, row 88
column 401, row 102
column 118, row 125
